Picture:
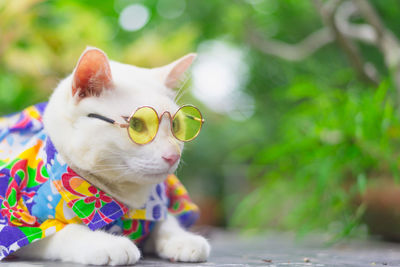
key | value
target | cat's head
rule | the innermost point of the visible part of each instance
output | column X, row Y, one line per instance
column 114, row 90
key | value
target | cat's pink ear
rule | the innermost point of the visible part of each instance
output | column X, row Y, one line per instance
column 92, row 74
column 173, row 73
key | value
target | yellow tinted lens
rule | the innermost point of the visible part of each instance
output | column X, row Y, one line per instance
column 143, row 125
column 186, row 123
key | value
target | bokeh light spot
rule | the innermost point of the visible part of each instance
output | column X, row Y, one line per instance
column 134, row 17
column 219, row 76
column 170, row 9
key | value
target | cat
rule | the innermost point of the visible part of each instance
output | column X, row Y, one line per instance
column 106, row 158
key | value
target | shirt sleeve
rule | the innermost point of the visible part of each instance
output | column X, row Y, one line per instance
column 180, row 205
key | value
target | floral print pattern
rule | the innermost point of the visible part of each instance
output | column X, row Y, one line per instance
column 99, row 198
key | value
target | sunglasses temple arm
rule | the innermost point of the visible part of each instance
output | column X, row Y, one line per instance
column 103, row 118
column 122, row 125
column 194, row 118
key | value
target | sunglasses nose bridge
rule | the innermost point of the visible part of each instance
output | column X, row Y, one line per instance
column 167, row 114
column 168, row 120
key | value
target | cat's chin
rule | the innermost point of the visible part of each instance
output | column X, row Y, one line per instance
column 147, row 177
column 152, row 178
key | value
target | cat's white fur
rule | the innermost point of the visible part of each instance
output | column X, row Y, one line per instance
column 103, row 154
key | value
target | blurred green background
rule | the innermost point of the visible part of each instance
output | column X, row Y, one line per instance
column 301, row 98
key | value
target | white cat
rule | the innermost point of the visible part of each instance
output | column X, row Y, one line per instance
column 128, row 171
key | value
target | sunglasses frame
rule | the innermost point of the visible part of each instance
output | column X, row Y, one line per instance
column 159, row 118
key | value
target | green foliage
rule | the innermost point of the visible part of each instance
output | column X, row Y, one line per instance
column 329, row 142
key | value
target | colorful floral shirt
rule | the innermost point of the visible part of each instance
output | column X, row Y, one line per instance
column 40, row 193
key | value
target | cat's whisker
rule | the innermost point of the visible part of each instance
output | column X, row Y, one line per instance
column 110, row 166
column 180, row 166
column 116, row 163
column 180, row 91
column 123, row 174
column 113, row 153
column 108, row 169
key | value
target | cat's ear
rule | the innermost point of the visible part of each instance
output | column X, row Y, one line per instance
column 173, row 73
column 92, row 74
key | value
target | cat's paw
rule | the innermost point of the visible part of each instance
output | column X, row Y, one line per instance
column 186, row 248
column 116, row 250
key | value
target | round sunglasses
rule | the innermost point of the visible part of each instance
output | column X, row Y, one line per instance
column 143, row 124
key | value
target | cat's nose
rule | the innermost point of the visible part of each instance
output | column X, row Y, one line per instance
column 171, row 159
